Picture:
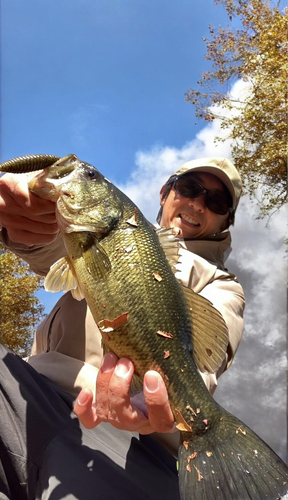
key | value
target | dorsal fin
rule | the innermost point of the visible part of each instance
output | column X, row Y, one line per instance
column 209, row 332
column 169, row 241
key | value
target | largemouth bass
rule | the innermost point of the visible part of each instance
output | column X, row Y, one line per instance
column 115, row 262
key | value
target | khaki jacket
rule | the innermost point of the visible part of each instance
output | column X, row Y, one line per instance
column 67, row 345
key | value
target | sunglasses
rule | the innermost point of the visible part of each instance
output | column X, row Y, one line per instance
column 215, row 199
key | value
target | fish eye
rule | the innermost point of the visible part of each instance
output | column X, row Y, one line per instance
column 92, row 173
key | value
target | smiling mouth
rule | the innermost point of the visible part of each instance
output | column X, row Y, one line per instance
column 188, row 219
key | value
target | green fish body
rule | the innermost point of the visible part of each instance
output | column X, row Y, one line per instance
column 116, row 262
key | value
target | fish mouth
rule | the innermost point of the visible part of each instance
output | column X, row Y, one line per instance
column 48, row 183
column 189, row 219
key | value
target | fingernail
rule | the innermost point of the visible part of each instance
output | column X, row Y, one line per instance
column 108, row 362
column 82, row 398
column 151, row 382
column 122, row 369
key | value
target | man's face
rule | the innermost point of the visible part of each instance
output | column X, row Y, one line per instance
column 191, row 215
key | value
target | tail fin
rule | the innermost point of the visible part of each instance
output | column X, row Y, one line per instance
column 230, row 462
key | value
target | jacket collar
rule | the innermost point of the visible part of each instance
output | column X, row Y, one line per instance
column 214, row 249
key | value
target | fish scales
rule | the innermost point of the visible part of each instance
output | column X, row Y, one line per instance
column 142, row 297
column 116, row 261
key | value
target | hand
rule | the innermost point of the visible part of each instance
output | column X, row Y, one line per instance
column 147, row 414
column 28, row 219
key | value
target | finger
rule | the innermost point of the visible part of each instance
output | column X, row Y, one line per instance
column 40, row 206
column 115, row 407
column 156, row 398
column 29, row 225
column 27, row 219
column 85, row 410
column 120, row 409
column 17, row 199
column 30, row 239
column 23, row 230
column 32, row 226
column 102, row 385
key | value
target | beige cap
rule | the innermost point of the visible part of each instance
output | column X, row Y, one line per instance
column 221, row 168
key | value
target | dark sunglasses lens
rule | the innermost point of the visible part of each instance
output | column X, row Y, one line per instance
column 215, row 200
column 188, row 187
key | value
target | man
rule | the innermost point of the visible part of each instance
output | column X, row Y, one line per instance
column 200, row 199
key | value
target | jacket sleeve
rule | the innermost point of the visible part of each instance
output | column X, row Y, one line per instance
column 67, row 346
column 39, row 258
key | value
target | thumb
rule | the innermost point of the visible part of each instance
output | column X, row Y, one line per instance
column 84, row 409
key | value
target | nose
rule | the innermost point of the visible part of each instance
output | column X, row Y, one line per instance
column 198, row 203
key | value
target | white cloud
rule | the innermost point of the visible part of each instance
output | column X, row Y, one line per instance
column 239, row 93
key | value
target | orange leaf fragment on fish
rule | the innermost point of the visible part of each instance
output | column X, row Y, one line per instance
column 164, row 334
column 157, row 277
column 133, row 220
column 108, row 325
column 182, row 425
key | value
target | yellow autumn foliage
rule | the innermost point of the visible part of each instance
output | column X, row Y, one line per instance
column 20, row 308
column 255, row 121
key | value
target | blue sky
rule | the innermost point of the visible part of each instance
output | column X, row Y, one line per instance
column 102, row 79
column 106, row 80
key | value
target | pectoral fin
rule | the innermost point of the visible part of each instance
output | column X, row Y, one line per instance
column 61, row 278
column 96, row 260
column 209, row 332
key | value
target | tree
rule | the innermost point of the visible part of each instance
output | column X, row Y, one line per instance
column 256, row 122
column 20, row 309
